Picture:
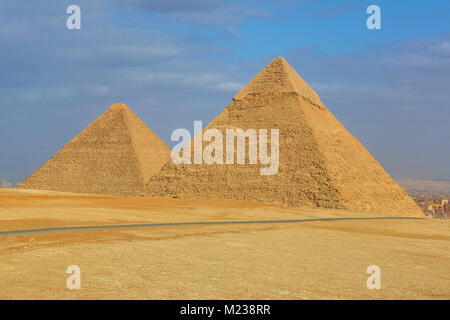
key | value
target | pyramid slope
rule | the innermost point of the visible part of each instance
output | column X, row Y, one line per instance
column 277, row 78
column 321, row 164
column 115, row 155
column 361, row 180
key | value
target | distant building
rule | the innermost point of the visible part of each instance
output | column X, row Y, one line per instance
column 434, row 206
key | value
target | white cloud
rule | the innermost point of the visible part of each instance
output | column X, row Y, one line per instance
column 175, row 5
column 441, row 48
column 139, row 51
column 208, row 80
column 227, row 86
column 99, row 90
column 222, row 15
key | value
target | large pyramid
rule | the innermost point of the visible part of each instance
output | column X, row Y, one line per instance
column 115, row 155
column 320, row 163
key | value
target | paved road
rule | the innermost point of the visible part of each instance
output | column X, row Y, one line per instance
column 148, row 225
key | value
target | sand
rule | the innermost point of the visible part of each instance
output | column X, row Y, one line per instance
column 314, row 260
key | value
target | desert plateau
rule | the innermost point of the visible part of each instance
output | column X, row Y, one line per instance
column 298, row 260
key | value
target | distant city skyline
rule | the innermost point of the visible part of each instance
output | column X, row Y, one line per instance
column 173, row 62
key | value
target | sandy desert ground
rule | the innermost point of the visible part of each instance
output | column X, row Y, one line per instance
column 307, row 260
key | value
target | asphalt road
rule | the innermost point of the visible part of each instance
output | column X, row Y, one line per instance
column 174, row 224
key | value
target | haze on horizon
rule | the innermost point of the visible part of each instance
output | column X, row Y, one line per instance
column 180, row 61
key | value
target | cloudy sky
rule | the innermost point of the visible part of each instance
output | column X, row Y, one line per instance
column 173, row 62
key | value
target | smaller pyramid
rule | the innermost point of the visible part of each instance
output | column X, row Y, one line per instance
column 115, row 155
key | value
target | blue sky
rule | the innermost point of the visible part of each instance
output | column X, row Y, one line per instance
column 173, row 62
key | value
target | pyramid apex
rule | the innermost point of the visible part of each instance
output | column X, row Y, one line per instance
column 279, row 58
column 278, row 62
column 118, row 106
column 279, row 77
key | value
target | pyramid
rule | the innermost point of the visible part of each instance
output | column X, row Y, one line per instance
column 320, row 163
column 115, row 155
